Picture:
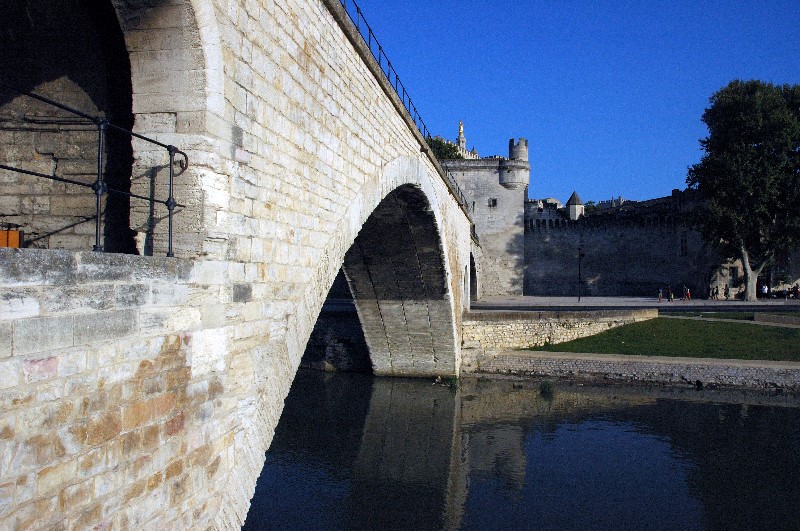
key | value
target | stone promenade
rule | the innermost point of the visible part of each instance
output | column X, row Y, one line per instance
column 528, row 303
column 657, row 369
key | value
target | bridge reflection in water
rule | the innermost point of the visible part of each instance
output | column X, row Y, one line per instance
column 355, row 452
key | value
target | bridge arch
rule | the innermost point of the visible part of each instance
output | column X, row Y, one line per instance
column 396, row 272
column 154, row 67
column 396, row 257
column 177, row 78
column 286, row 171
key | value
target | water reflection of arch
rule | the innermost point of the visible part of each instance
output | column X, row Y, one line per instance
column 407, row 470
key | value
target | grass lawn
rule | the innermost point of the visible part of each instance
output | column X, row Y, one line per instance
column 692, row 339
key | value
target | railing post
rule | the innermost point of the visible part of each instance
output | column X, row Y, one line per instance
column 99, row 185
column 170, row 202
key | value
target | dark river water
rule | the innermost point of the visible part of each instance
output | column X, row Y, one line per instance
column 356, row 452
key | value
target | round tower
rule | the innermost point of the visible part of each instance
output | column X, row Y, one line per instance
column 518, row 150
column 515, row 171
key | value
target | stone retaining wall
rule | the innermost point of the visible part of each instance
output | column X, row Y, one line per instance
column 487, row 333
column 759, row 374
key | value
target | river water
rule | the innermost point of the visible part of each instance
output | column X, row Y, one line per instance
column 356, row 452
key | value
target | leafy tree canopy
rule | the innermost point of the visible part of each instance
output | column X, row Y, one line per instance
column 750, row 172
column 442, row 149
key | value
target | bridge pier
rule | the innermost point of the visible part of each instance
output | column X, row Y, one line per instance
column 396, row 273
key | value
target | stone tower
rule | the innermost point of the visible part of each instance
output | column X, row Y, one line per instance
column 461, row 141
column 496, row 188
column 575, row 206
column 515, row 171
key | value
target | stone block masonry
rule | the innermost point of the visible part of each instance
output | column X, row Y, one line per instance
column 141, row 392
column 487, row 333
column 702, row 371
column 112, row 394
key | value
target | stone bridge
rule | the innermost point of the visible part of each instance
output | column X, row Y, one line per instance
column 142, row 391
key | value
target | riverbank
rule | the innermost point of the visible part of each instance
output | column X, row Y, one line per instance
column 698, row 372
column 494, row 349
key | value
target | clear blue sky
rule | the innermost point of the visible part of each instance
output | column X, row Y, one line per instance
column 609, row 94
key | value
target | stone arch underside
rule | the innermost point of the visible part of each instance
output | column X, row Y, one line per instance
column 396, row 272
column 473, row 279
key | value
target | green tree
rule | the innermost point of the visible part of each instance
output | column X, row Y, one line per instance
column 442, row 149
column 749, row 175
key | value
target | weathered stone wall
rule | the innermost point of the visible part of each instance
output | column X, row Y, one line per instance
column 487, row 333
column 143, row 392
column 761, row 374
column 122, row 383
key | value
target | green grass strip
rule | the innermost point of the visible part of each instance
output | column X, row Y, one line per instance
column 692, row 339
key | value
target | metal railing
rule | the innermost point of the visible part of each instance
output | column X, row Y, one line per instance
column 365, row 30
column 99, row 186
column 355, row 14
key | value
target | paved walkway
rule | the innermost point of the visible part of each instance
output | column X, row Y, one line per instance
column 525, row 303
column 739, row 321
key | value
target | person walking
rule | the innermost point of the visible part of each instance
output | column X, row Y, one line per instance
column 727, row 292
column 660, row 294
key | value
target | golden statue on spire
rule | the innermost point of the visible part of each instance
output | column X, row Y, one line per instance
column 460, row 128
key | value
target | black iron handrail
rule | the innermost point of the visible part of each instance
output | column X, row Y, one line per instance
column 384, row 63
column 99, row 186
column 388, row 70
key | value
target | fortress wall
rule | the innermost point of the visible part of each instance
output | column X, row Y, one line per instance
column 621, row 258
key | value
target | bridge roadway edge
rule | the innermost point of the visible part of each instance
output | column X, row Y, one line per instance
column 345, row 23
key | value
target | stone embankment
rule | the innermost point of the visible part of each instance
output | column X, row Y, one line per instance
column 490, row 332
column 777, row 319
column 492, row 343
column 694, row 371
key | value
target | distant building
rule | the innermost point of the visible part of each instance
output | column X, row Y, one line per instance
column 629, row 248
column 611, row 203
column 496, row 188
column 575, row 206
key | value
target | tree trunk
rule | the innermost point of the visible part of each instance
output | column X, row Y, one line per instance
column 751, row 276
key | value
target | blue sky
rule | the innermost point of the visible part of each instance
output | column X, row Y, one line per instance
column 609, row 94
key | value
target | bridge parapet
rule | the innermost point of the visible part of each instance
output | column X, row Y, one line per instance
column 352, row 21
